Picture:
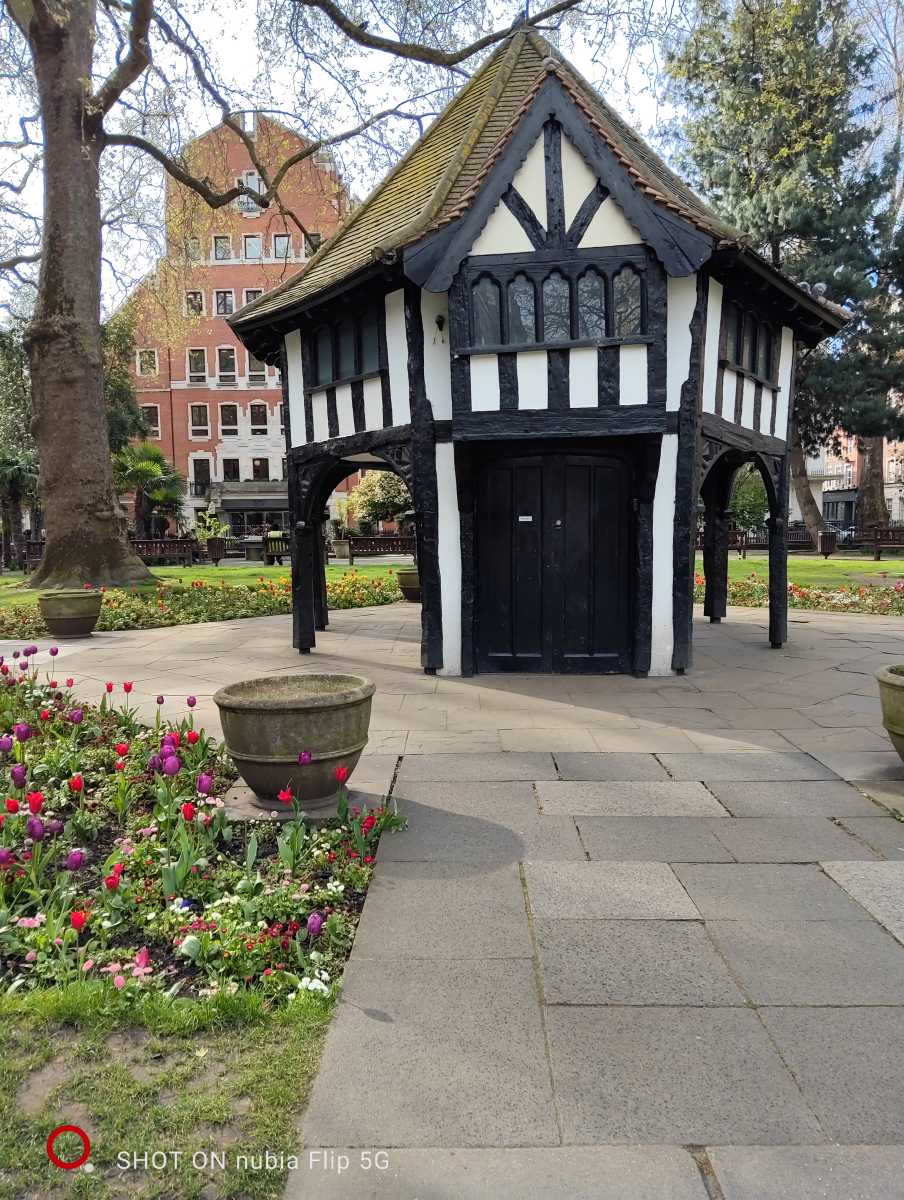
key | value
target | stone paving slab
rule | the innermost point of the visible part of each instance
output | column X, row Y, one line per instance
column 482, row 768
column 609, row 767
column 610, row 890
column 443, row 910
column 809, row 1172
column 866, row 764
column 680, row 1076
column 575, row 1172
column 878, row 887
column 414, row 1057
column 631, row 798
column 792, row 798
column 885, row 834
column 887, row 793
column 848, row 1064
column 788, row 840
column 812, row 962
column 745, row 766
column 650, row 839
column 632, row 962
column 767, row 892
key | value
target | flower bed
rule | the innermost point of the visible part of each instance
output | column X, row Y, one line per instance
column 174, row 604
column 120, row 863
column 753, row 592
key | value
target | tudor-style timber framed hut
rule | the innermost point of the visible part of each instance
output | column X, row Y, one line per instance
column 561, row 349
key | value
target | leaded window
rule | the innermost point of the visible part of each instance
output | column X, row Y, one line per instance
column 347, row 349
column 556, row 308
column 592, row 305
column 486, row 312
column 522, row 314
column 627, row 303
column 749, row 343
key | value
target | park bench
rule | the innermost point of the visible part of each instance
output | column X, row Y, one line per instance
column 880, row 538
column 384, row 543
column 159, row 552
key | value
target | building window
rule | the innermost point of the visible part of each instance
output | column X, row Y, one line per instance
column 193, row 249
column 222, row 247
column 346, row 350
column 146, row 362
column 627, row 303
column 230, row 470
column 253, row 246
column 485, row 311
column 284, row 470
column 197, row 365
column 282, row 245
column 150, row 414
column 225, row 303
column 201, row 476
column 522, row 311
column 323, row 349
column 247, row 204
column 591, row 305
column 749, row 343
column 370, row 342
column 229, row 420
column 257, row 370
column 312, row 243
column 253, row 294
column 226, row 365
column 346, row 339
column 260, row 470
column 556, row 308
column 258, row 415
column 199, row 421
column 194, row 304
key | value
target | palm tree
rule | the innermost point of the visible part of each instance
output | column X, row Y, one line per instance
column 145, row 471
column 18, row 483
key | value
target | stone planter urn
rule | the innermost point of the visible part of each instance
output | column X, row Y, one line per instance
column 268, row 722
column 70, row 613
column 410, row 584
column 891, row 693
column 342, row 548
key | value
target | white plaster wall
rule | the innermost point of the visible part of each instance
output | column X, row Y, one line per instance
column 397, row 354
column 711, row 345
column 583, row 377
column 502, row 234
column 610, row 227
column 632, row 375
column 344, row 411
column 729, row 391
column 296, row 386
column 437, row 365
column 578, row 181
column 321, row 420
column 533, row 381
column 373, row 404
column 682, row 300
column 747, row 401
column 530, row 180
column 785, row 363
column 766, row 411
column 662, row 641
column 484, row 383
column 449, row 548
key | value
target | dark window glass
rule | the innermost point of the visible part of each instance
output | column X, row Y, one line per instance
column 260, row 469
column 764, row 353
column 201, row 471
column 282, row 245
column 194, row 303
column 370, row 342
column 748, row 351
column 258, row 415
column 485, row 307
column 556, row 309
column 521, row 311
column 230, row 470
column 592, row 305
column 225, row 304
column 197, row 365
column 734, row 326
column 324, row 356
column 346, row 349
column 229, row 420
column 222, row 247
column 627, row 303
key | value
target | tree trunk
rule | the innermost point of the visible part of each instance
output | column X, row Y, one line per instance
column 871, row 507
column 86, row 535
column 806, row 501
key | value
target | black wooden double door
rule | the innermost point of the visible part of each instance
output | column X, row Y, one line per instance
column 553, row 564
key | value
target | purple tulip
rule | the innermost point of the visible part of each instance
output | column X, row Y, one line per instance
column 15, row 654
column 172, row 765
column 7, row 858
column 75, row 860
column 18, row 774
column 23, row 665
column 22, row 732
column 155, row 763
column 76, row 716
column 205, row 784
column 6, row 744
column 54, row 826
column 159, row 699
column 54, row 651
column 34, row 827
column 32, row 649
column 191, row 701
column 315, row 924
column 304, row 758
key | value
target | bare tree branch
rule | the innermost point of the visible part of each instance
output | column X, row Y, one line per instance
column 18, row 260
column 132, row 66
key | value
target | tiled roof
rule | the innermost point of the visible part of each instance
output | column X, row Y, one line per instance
column 433, row 184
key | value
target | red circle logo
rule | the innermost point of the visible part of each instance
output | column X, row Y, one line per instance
column 60, row 1162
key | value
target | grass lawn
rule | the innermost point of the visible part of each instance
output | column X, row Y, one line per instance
column 11, row 593
column 809, row 571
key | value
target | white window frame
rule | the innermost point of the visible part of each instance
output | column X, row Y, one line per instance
column 227, row 237
column 259, row 257
column 259, row 430
column 187, row 310
column 256, row 378
column 146, row 350
column 153, row 426
column 233, row 430
column 192, row 435
column 216, row 306
column 190, row 243
column 196, row 382
column 227, row 378
column 288, row 255
column 244, row 203
column 258, row 293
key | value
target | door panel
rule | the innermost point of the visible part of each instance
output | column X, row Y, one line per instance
column 552, row 564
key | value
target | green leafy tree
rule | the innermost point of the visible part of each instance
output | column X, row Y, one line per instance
column 749, row 504
column 380, row 496
column 124, row 419
column 146, row 472
column 778, row 137
column 18, row 486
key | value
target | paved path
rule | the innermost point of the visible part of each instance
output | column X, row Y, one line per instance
column 642, row 938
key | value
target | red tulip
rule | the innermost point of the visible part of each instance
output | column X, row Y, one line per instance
column 192, row 737
column 70, row 683
column 76, row 783
column 127, row 687
column 35, row 802
column 341, row 774
column 44, row 715
column 188, row 811
column 111, row 882
column 285, row 795
column 119, row 765
column 12, row 806
column 77, row 920
column 109, row 686
column 122, row 749
column 53, row 683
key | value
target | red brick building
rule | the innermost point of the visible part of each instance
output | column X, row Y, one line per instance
column 212, row 407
